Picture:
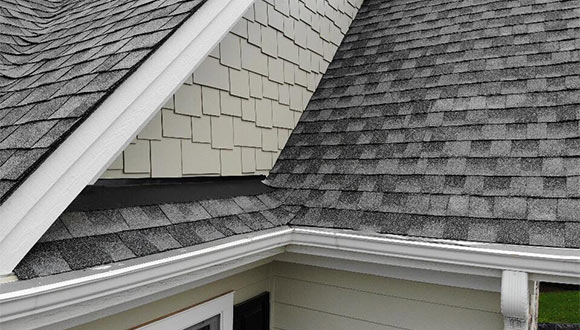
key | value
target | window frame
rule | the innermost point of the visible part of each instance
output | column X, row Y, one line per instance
column 190, row 316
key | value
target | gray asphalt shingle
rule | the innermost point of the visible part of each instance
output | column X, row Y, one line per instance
column 58, row 61
column 445, row 128
column 463, row 125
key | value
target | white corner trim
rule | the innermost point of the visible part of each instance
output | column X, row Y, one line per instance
column 222, row 306
column 58, row 298
column 37, row 203
column 515, row 300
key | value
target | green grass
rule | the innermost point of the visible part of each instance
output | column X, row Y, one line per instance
column 559, row 307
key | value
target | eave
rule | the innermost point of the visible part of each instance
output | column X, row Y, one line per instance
column 76, row 297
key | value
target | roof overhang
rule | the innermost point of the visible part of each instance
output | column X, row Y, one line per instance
column 84, row 155
column 72, row 298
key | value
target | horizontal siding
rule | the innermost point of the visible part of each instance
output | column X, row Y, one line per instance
column 441, row 294
column 314, row 298
column 246, row 285
column 376, row 301
column 293, row 317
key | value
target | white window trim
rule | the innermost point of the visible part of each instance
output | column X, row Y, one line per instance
column 222, row 306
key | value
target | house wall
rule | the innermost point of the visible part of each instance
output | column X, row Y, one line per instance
column 313, row 298
column 234, row 115
column 246, row 285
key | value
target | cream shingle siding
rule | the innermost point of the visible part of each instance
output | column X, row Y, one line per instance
column 313, row 298
column 236, row 112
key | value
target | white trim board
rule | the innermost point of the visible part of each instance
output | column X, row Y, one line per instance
column 222, row 306
column 72, row 298
column 36, row 204
column 465, row 257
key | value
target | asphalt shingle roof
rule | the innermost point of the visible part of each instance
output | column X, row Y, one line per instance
column 79, row 240
column 60, row 59
column 453, row 119
column 446, row 119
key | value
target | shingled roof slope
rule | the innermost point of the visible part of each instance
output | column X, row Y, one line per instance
column 80, row 240
column 453, row 119
column 438, row 119
column 60, row 59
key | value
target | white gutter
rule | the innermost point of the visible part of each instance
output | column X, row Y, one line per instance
column 35, row 205
column 55, row 299
column 543, row 262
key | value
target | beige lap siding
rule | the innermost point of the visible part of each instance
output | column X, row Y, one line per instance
column 312, row 298
column 246, row 285
column 236, row 112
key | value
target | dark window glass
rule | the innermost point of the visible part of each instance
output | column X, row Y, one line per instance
column 253, row 314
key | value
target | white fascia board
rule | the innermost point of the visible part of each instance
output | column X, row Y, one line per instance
column 478, row 258
column 73, row 297
column 36, row 204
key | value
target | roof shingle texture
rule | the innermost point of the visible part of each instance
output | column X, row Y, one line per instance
column 60, row 59
column 79, row 240
column 446, row 119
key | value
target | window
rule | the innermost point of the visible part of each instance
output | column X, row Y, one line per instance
column 253, row 314
column 215, row 314
column 210, row 324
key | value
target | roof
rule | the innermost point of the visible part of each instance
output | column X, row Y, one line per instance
column 60, row 59
column 440, row 119
column 79, row 240
column 446, row 119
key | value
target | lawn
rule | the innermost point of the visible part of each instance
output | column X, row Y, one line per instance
column 559, row 307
